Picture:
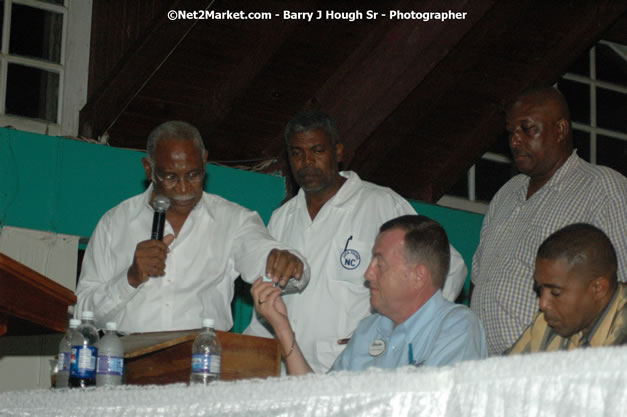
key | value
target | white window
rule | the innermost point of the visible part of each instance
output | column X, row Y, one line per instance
column 44, row 61
column 595, row 88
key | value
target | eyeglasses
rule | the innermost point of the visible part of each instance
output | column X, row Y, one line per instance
column 171, row 180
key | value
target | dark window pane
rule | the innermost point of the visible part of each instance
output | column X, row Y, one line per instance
column 612, row 152
column 489, row 177
column 581, row 66
column 611, row 110
column 32, row 92
column 59, row 2
column 501, row 146
column 610, row 66
column 36, row 33
column 581, row 142
column 460, row 189
column 578, row 98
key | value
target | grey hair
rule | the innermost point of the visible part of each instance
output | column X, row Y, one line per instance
column 312, row 119
column 173, row 129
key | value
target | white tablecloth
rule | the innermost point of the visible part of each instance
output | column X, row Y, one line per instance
column 587, row 382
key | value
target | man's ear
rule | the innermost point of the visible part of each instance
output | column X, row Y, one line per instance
column 147, row 168
column 422, row 276
column 562, row 129
column 600, row 287
column 339, row 152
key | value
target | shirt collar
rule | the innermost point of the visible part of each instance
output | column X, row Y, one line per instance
column 144, row 204
column 587, row 337
column 417, row 320
column 565, row 171
column 343, row 198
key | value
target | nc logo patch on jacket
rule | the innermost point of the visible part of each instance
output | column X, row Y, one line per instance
column 350, row 258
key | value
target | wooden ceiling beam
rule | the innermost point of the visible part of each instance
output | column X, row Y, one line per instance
column 104, row 107
column 461, row 107
column 389, row 65
column 618, row 31
column 287, row 83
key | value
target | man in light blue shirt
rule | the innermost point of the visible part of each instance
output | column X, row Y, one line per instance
column 412, row 324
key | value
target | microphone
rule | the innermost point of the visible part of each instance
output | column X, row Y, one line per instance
column 160, row 204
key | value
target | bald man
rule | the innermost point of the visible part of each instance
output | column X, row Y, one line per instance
column 581, row 303
column 555, row 188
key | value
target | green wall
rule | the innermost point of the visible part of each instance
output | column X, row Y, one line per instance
column 62, row 185
column 462, row 227
column 65, row 186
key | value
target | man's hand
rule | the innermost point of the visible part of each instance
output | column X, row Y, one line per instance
column 268, row 302
column 149, row 260
column 281, row 265
column 270, row 305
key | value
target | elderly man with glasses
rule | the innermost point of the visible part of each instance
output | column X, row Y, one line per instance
column 156, row 285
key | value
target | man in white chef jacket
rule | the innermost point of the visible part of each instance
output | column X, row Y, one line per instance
column 333, row 221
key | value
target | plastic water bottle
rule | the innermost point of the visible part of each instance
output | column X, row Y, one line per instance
column 206, row 355
column 63, row 360
column 84, row 353
column 110, row 367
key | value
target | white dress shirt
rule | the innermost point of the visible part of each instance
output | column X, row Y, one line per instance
column 218, row 241
column 338, row 245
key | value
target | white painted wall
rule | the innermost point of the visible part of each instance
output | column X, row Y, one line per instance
column 25, row 361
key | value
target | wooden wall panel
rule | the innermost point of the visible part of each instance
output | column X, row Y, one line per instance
column 117, row 26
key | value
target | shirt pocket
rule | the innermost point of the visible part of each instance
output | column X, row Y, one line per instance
column 531, row 240
column 326, row 354
column 348, row 262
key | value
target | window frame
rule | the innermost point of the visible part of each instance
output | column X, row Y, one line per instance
column 470, row 203
column 72, row 69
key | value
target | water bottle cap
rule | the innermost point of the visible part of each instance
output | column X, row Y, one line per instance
column 208, row 323
column 88, row 315
column 74, row 323
column 111, row 325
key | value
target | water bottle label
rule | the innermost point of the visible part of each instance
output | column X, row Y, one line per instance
column 63, row 362
column 110, row 365
column 84, row 362
column 205, row 363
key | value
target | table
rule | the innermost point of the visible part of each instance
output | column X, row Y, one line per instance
column 581, row 383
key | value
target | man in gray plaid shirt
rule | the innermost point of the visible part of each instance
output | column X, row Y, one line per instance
column 555, row 188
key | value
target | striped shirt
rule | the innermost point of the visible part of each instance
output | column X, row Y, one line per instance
column 514, row 228
column 610, row 329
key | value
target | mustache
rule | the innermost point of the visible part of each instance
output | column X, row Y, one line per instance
column 309, row 171
column 185, row 197
column 517, row 151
